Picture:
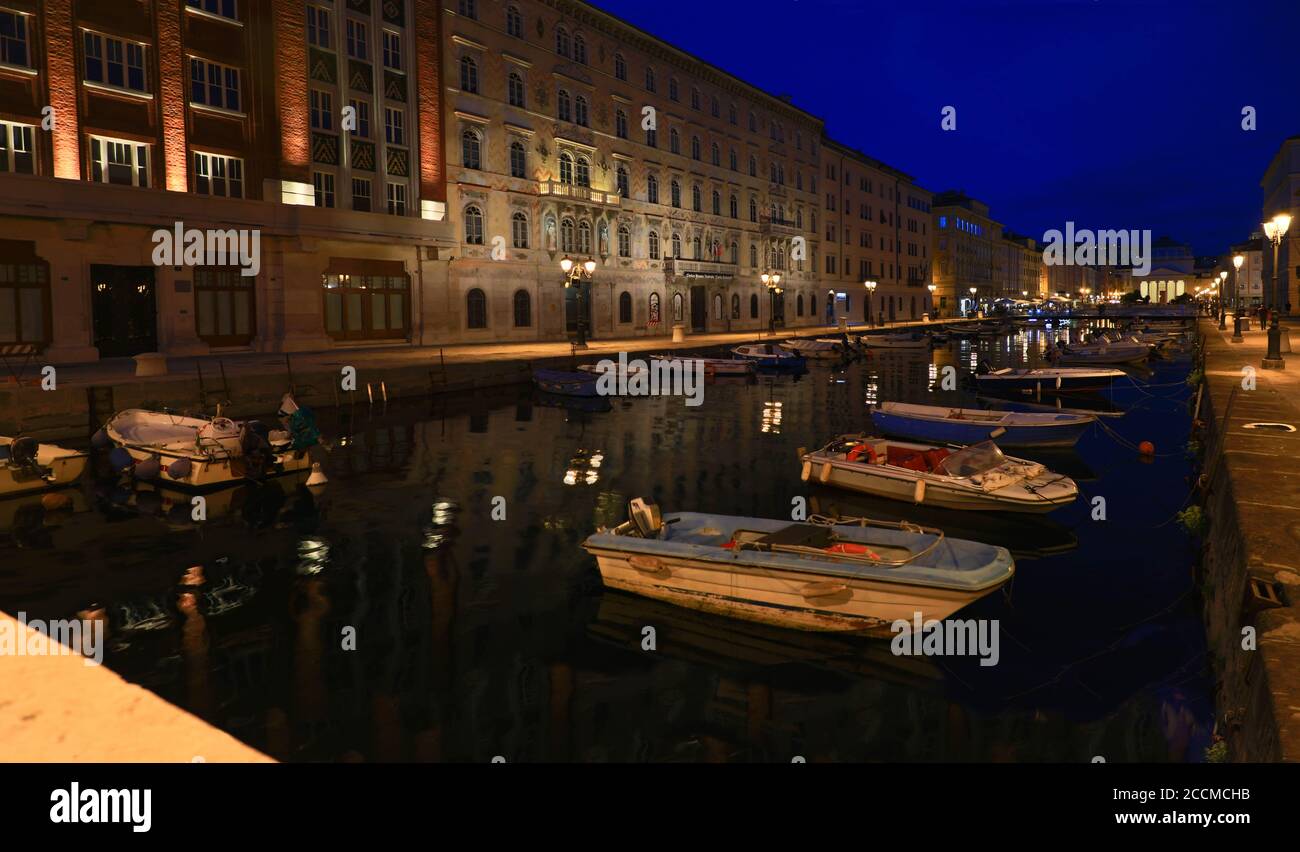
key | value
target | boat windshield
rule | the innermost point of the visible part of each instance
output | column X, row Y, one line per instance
column 973, row 460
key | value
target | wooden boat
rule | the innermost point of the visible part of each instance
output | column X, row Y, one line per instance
column 974, row 478
column 1101, row 353
column 597, row 370
column 817, row 350
column 769, row 356
column 1043, row 379
column 566, row 382
column 198, row 453
column 940, row 424
column 712, row 366
column 817, row 575
column 27, row 466
column 907, row 340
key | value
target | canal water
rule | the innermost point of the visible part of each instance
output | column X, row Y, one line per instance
column 395, row 615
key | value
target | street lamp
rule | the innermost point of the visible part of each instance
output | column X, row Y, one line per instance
column 1275, row 231
column 973, row 304
column 934, row 309
column 1223, row 317
column 574, row 276
column 1236, row 297
column 871, row 289
column 772, row 281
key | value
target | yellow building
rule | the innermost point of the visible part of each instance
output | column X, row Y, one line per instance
column 964, row 242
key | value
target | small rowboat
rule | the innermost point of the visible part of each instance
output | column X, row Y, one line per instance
column 855, row 577
column 27, row 466
column 976, row 478
column 566, row 383
column 209, row 452
column 716, row 366
column 896, row 341
column 818, row 350
column 598, row 370
column 939, row 424
column 769, row 356
column 1044, row 379
column 1102, row 353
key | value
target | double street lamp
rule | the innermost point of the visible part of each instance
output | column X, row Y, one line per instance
column 974, row 303
column 772, row 281
column 574, row 276
column 871, row 289
column 934, row 309
column 1275, row 230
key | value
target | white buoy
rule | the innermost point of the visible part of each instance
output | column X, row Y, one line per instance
column 318, row 476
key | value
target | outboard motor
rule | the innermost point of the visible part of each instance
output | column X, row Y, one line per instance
column 22, row 453
column 645, row 517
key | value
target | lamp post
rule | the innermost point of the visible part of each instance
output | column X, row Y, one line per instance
column 772, row 281
column 871, row 289
column 973, row 303
column 934, row 309
column 574, row 276
column 1223, row 316
column 1275, row 230
column 1237, row 261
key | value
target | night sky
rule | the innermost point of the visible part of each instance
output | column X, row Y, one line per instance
column 1110, row 113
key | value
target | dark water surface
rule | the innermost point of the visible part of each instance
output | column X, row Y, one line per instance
column 478, row 638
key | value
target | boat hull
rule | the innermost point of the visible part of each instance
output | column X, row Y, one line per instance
column 65, row 467
column 957, row 432
column 567, row 384
column 213, row 473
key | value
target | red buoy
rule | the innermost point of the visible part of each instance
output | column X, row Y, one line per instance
column 1147, row 448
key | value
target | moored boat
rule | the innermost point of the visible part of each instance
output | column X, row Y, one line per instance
column 828, row 576
column 1106, row 352
column 209, row 452
column 770, row 356
column 974, row 478
column 906, row 340
column 941, row 424
column 817, row 350
column 27, row 466
column 715, row 366
column 1044, row 379
column 566, row 382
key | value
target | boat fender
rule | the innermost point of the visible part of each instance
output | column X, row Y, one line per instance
column 149, row 468
column 120, row 460
column 825, row 473
column 998, row 432
column 180, row 469
column 918, row 496
column 100, row 440
column 807, row 469
column 1058, row 381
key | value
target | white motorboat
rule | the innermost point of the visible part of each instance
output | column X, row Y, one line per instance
column 27, row 466
column 907, row 340
column 825, row 575
column 1039, row 379
column 820, row 350
column 1105, row 352
column 201, row 452
column 770, row 356
column 974, row 478
column 715, row 366
column 597, row 369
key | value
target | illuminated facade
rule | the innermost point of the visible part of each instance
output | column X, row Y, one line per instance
column 1281, row 188
column 120, row 120
column 965, row 241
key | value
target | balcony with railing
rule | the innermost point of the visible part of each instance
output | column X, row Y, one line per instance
column 681, row 267
column 574, row 192
column 776, row 226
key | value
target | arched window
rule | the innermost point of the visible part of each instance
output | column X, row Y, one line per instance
column 514, row 22
column 518, row 160
column 695, row 197
column 625, row 307
column 678, row 304
column 519, row 230
column 812, row 305
column 695, row 98
column 562, row 41
column 624, row 241
column 523, row 309
column 582, row 174
column 753, row 167
column 715, row 108
column 580, row 110
column 471, row 149
column 674, row 141
column 649, row 79
column 468, row 74
column 753, row 306
column 695, row 147
column 731, row 157
column 696, row 251
column 731, row 114
column 753, row 255
column 620, row 124
column 584, row 237
column 717, row 203
column 515, row 88
column 717, row 306
column 735, row 207
column 562, row 106
column 716, row 154
column 566, row 167
column 580, row 49
column 620, row 67
column 799, row 305
column 654, row 245
column 735, row 305
column 677, row 245
column 672, row 88
column 652, row 189
column 653, row 318
column 566, row 235
column 473, row 226
column 476, row 309
column 676, row 193
column 753, row 209
column 735, row 252
column 621, row 181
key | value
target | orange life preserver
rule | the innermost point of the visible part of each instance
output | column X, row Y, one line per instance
column 857, row 451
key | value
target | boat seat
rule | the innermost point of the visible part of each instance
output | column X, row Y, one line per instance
column 795, row 535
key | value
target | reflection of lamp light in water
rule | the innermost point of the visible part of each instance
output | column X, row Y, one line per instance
column 584, row 468
column 442, row 518
column 772, row 418
column 313, row 556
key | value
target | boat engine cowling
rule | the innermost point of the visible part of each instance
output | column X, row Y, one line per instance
column 645, row 517
column 221, row 433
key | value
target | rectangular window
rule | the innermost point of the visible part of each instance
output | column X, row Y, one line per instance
column 362, row 111
column 16, row 151
column 394, row 126
column 393, row 51
column 361, row 194
column 214, row 85
column 319, row 32
column 359, row 307
column 218, row 175
column 224, row 8
column 397, row 199
column 13, row 39
column 322, row 110
column 358, row 40
column 323, row 182
column 119, row 161
column 114, row 62
column 223, row 305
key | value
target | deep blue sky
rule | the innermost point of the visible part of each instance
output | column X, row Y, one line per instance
column 1110, row 113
